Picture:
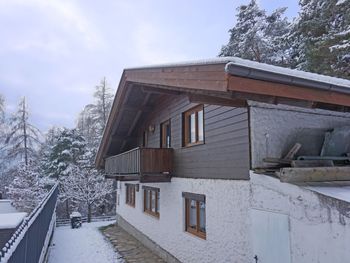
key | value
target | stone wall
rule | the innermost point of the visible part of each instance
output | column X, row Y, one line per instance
column 274, row 129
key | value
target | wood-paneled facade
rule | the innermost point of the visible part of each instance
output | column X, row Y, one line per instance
column 149, row 96
column 225, row 151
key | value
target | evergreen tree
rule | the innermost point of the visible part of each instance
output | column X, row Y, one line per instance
column 321, row 37
column 68, row 147
column 45, row 152
column 23, row 138
column 258, row 36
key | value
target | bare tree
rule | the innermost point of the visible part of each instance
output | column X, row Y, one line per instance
column 23, row 138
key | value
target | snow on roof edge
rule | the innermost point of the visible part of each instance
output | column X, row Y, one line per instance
column 289, row 72
column 257, row 66
column 218, row 60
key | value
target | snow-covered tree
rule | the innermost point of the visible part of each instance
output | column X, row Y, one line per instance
column 2, row 108
column 67, row 148
column 86, row 185
column 93, row 118
column 104, row 99
column 258, row 36
column 87, row 126
column 26, row 190
column 322, row 37
column 23, row 138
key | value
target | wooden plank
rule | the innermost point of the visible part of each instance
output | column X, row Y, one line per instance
column 312, row 163
column 155, row 179
column 292, row 152
column 288, row 91
column 204, row 99
column 315, row 174
column 216, row 67
column 277, row 160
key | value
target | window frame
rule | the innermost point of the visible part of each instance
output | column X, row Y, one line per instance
column 163, row 141
column 150, row 190
column 198, row 198
column 144, row 139
column 130, row 194
column 186, row 142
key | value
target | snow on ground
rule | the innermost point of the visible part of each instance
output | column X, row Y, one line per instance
column 85, row 245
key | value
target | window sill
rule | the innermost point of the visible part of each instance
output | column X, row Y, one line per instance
column 133, row 206
column 200, row 235
column 193, row 144
column 155, row 215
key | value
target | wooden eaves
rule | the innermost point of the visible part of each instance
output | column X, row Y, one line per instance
column 210, row 82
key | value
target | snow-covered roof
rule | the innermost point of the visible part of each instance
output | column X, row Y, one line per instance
column 6, row 206
column 11, row 220
column 75, row 214
column 288, row 72
column 341, row 193
column 279, row 74
column 218, row 60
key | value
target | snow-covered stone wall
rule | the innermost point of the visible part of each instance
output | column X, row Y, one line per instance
column 226, row 220
column 319, row 226
column 274, row 129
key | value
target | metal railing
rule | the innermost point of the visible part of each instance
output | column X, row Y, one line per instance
column 30, row 241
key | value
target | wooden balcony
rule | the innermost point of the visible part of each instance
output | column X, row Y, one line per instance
column 141, row 164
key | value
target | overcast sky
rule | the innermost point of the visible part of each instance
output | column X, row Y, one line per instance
column 55, row 52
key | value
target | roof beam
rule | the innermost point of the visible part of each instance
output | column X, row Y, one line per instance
column 154, row 90
column 232, row 102
column 260, row 87
column 136, row 119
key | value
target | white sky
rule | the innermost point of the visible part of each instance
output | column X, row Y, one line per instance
column 55, row 51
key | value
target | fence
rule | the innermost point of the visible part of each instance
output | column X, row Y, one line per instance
column 65, row 221
column 30, row 241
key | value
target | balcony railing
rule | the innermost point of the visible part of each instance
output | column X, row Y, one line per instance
column 144, row 164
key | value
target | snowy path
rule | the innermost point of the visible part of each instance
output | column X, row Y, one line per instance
column 86, row 245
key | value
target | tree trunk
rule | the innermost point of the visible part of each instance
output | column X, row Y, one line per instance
column 67, row 209
column 89, row 213
column 25, row 131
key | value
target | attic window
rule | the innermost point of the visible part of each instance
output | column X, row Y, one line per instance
column 193, row 126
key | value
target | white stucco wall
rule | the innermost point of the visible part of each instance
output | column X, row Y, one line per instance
column 226, row 220
column 276, row 128
column 319, row 225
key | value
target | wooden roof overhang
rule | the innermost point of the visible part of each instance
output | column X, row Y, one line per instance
column 208, row 82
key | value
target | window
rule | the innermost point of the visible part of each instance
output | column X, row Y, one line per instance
column 165, row 134
column 151, row 200
column 144, row 139
column 193, row 126
column 195, row 214
column 130, row 194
